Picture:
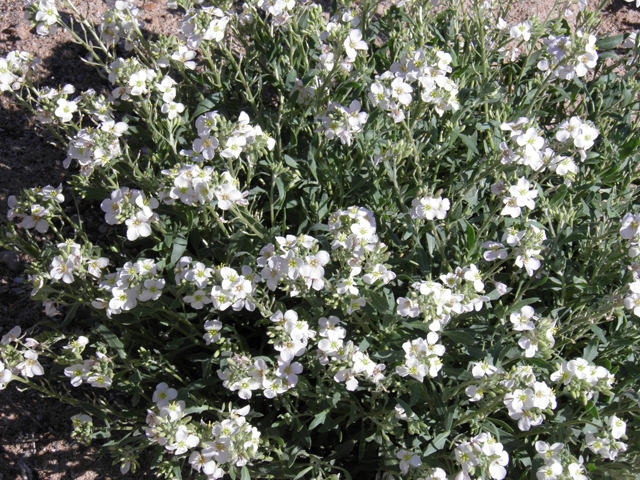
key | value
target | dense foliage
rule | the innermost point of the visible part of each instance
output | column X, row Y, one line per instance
column 385, row 241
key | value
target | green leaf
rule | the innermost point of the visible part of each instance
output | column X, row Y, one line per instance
column 179, row 246
column 416, row 391
column 380, row 303
column 112, row 339
column 590, row 409
column 440, row 440
column 431, row 243
column 607, row 43
column 245, row 473
column 459, row 337
column 290, row 161
column 319, row 419
column 591, row 350
column 303, row 472
column 176, row 472
column 471, row 237
column 470, row 142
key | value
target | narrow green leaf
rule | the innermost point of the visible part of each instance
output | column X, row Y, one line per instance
column 319, row 419
column 469, row 142
column 608, row 43
column 303, row 472
column 471, row 237
column 245, row 473
column 459, row 337
column 179, row 246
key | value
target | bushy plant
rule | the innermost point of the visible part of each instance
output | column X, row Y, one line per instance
column 382, row 241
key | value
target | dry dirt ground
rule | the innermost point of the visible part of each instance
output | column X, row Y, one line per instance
column 35, row 440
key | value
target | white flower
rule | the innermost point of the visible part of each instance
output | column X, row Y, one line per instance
column 521, row 30
column 617, row 426
column 245, row 387
column 234, row 147
column 100, row 380
column 65, row 110
column 183, row 441
column 172, row 109
column 163, row 395
column 529, row 262
column 62, row 269
column 198, row 299
column 353, row 43
column 401, row 91
column 77, row 373
column 494, row 251
column 511, row 207
column 523, row 320
column 346, row 375
column 30, row 366
column 227, row 195
column 630, row 226
column 152, row 290
column 408, row 459
column 139, row 226
column 523, row 196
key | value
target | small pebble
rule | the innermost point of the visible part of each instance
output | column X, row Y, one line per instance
column 10, row 259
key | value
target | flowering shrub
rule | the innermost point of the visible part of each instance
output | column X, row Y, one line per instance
column 382, row 242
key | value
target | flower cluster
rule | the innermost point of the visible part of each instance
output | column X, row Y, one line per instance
column 582, row 133
column 96, row 147
column 230, row 441
column 489, row 378
column 482, row 455
column 279, row 10
column 583, row 379
column 526, row 146
column 346, row 359
column 521, row 196
column 342, row 122
column 607, row 443
column 18, row 362
column 427, row 66
column 134, row 79
column 460, row 291
column 134, row 282
column 296, row 266
column 527, row 244
column 558, row 463
column 569, row 56
column 120, row 22
column 205, row 24
column 233, row 289
column 44, row 16
column 536, row 333
column 54, row 104
column 132, row 207
column 14, row 68
column 429, row 208
column 422, row 357
column 74, row 259
column 341, row 35
column 242, row 376
column 194, row 185
column 228, row 139
column 527, row 399
column 360, row 250
column 96, row 370
column 37, row 209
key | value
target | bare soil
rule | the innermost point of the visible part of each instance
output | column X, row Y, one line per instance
column 35, row 431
